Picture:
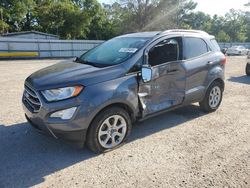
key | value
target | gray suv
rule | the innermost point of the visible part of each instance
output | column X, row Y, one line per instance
column 96, row 98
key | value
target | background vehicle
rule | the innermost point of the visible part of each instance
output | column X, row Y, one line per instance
column 126, row 79
column 224, row 50
column 248, row 65
column 237, row 50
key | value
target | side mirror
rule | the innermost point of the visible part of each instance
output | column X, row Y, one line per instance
column 146, row 73
column 76, row 59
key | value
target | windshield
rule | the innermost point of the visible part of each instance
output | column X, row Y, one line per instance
column 113, row 52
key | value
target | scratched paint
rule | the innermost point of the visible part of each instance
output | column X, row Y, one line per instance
column 165, row 90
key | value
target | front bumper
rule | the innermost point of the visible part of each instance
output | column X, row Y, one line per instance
column 72, row 136
column 73, row 130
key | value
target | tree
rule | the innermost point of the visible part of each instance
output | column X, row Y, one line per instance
column 17, row 14
column 88, row 19
column 223, row 37
column 63, row 18
column 137, row 14
column 235, row 26
column 184, row 12
column 197, row 20
column 146, row 15
column 100, row 26
column 247, row 21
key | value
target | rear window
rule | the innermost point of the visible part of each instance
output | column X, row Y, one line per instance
column 215, row 45
column 194, row 47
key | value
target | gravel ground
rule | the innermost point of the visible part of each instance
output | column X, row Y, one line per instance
column 183, row 148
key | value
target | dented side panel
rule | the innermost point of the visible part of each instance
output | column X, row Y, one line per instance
column 165, row 90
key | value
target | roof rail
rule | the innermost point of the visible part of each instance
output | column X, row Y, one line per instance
column 185, row 30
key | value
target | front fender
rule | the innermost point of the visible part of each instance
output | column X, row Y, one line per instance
column 119, row 91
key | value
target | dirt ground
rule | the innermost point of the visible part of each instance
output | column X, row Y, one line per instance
column 183, row 148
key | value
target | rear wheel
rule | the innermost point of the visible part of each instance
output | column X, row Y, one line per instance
column 248, row 69
column 108, row 130
column 213, row 97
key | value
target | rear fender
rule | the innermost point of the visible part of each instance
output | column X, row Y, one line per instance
column 216, row 73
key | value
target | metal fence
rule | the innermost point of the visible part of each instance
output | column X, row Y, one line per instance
column 47, row 48
column 60, row 48
column 227, row 45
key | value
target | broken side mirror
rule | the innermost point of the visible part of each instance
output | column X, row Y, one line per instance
column 146, row 73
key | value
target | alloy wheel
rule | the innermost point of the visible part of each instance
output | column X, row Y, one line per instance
column 112, row 131
column 215, row 97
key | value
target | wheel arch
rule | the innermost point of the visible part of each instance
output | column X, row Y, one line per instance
column 126, row 107
column 219, row 80
column 122, row 105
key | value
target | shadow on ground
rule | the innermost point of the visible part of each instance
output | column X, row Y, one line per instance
column 27, row 156
column 240, row 79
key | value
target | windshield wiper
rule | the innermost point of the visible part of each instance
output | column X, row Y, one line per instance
column 78, row 60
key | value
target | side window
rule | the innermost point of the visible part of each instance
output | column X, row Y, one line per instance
column 166, row 51
column 215, row 44
column 194, row 47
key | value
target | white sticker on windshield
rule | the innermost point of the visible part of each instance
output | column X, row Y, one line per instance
column 128, row 50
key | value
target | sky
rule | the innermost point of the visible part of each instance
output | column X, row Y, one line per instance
column 212, row 7
column 219, row 7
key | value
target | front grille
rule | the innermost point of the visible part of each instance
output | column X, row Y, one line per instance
column 31, row 100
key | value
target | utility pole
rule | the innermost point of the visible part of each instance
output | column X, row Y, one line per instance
column 2, row 20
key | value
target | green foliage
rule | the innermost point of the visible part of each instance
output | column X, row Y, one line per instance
column 247, row 21
column 17, row 14
column 233, row 27
column 88, row 19
column 3, row 27
column 223, row 37
column 62, row 18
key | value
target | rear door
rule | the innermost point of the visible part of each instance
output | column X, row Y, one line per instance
column 167, row 87
column 197, row 62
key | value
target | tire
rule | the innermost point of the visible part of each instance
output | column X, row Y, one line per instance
column 104, row 130
column 213, row 97
column 248, row 69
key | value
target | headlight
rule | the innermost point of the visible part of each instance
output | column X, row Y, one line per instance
column 61, row 93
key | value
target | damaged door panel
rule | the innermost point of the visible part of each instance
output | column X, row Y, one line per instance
column 167, row 87
column 165, row 90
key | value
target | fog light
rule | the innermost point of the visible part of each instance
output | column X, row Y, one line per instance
column 64, row 114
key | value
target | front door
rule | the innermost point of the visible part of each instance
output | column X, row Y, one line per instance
column 167, row 87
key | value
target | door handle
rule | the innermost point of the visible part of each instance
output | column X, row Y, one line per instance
column 173, row 71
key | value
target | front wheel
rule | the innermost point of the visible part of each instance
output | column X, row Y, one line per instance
column 108, row 130
column 248, row 69
column 213, row 97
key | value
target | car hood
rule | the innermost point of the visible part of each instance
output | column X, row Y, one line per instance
column 71, row 73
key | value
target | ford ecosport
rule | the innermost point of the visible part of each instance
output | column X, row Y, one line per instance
column 96, row 98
